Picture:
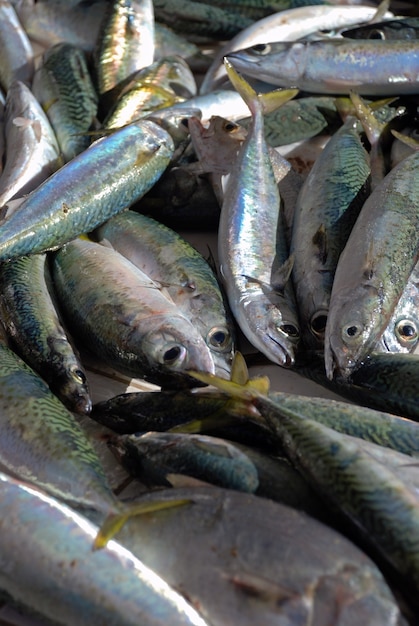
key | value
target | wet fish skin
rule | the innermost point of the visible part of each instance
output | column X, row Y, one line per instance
column 71, row 584
column 327, row 206
column 64, row 88
column 259, row 571
column 125, row 44
column 154, row 456
column 30, row 315
column 375, row 68
column 171, row 261
column 124, row 317
column 88, row 190
column 42, row 443
column 399, row 28
column 383, row 251
column 253, row 251
column 17, row 56
column 32, row 151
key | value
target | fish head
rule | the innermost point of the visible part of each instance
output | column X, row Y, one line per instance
column 220, row 342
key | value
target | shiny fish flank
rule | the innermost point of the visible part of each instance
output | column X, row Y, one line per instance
column 32, row 151
column 373, row 269
column 285, row 25
column 64, row 88
column 29, row 313
column 369, row 67
column 173, row 263
column 17, row 55
column 42, row 443
column 254, row 261
column 125, row 43
column 88, row 190
column 326, row 209
column 53, row 571
column 124, row 317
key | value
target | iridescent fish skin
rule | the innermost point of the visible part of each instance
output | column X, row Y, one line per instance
column 64, row 88
column 376, row 68
column 159, row 85
column 124, row 317
column 382, row 251
column 399, row 28
column 32, row 151
column 288, row 24
column 88, row 190
column 253, row 254
column 42, row 443
column 326, row 209
column 171, row 261
column 154, row 456
column 125, row 44
column 17, row 55
column 54, row 572
column 30, row 315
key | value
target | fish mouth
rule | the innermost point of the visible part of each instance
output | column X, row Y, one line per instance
column 283, row 356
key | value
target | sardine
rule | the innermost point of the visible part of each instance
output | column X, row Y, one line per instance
column 172, row 262
column 373, row 269
column 29, row 313
column 88, row 190
column 124, row 317
column 375, row 68
column 254, row 260
column 64, row 88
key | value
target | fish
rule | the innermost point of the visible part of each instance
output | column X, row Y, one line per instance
column 382, row 251
column 32, row 150
column 87, row 190
column 169, row 260
column 64, row 88
column 287, row 24
column 399, row 28
column 28, row 311
column 253, row 255
column 48, row 546
column 327, row 206
column 259, row 566
column 334, row 66
column 125, row 45
column 124, row 317
column 154, row 457
column 17, row 57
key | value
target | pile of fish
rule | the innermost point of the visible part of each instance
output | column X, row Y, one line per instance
column 287, row 131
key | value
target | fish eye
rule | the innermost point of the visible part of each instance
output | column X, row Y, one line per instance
column 406, row 332
column 290, row 329
column 262, row 48
column 219, row 339
column 351, row 332
column 79, row 376
column 174, row 355
column 376, row 33
column 230, row 126
column 318, row 323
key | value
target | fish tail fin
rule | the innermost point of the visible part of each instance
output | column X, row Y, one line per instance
column 267, row 102
column 116, row 520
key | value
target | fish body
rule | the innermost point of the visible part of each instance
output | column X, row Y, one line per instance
column 399, row 28
column 42, row 443
column 326, row 209
column 54, row 573
column 155, row 456
column 253, row 252
column 124, row 317
column 32, row 151
column 17, row 55
column 125, row 43
column 64, row 88
column 30, row 315
column 88, row 190
column 382, row 251
column 376, row 68
column 171, row 261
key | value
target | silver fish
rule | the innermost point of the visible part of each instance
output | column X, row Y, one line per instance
column 88, row 190
column 17, row 55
